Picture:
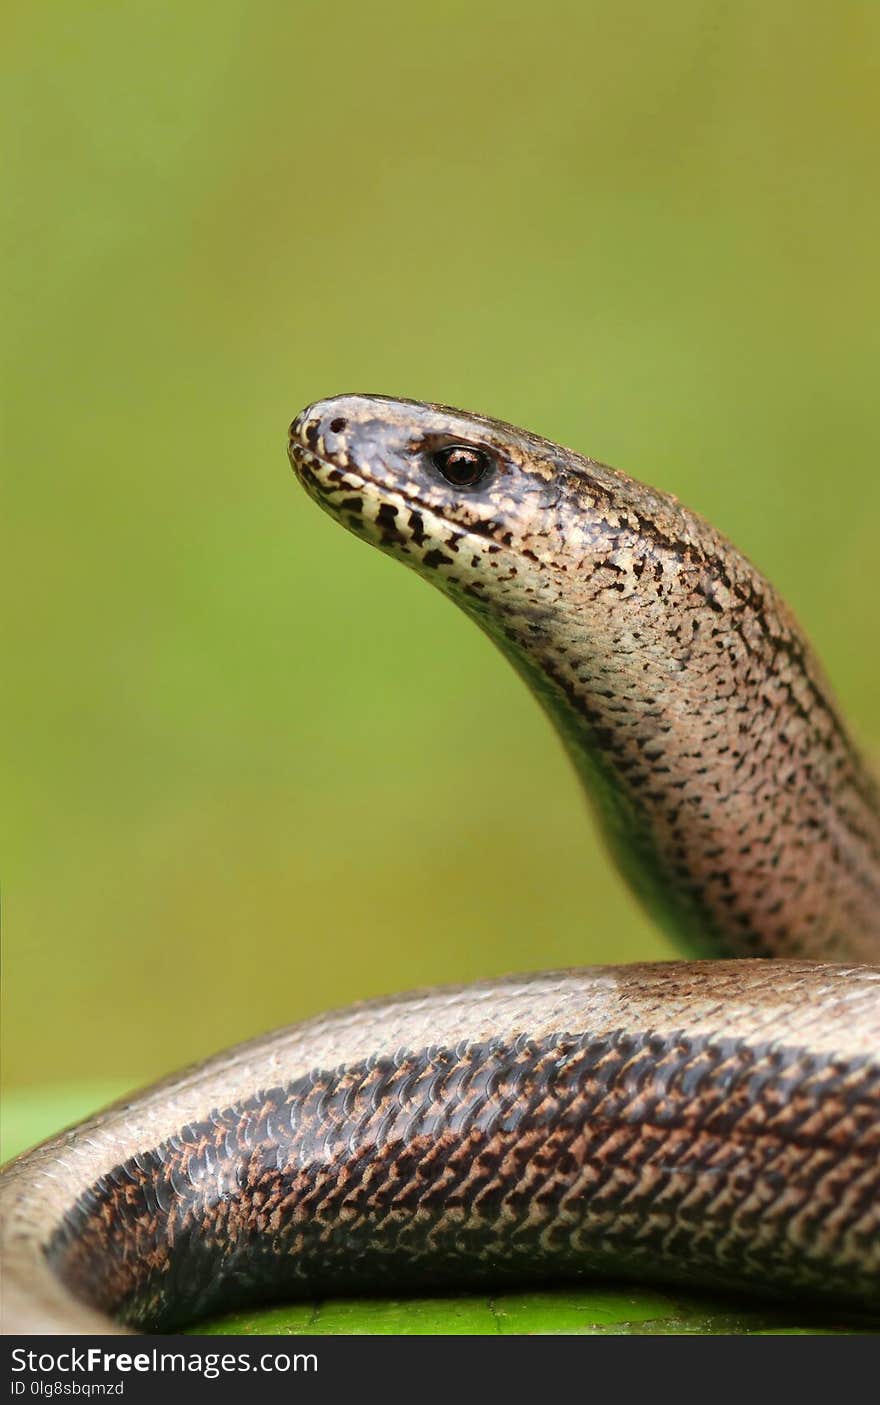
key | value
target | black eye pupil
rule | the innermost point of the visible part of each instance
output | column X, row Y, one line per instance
column 461, row 464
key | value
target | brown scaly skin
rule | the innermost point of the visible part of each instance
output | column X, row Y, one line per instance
column 690, row 702
column 703, row 1122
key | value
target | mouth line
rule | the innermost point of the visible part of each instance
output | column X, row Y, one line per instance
column 412, row 500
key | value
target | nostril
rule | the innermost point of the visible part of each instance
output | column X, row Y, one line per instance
column 337, row 426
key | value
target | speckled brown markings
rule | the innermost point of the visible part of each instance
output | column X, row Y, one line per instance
column 679, row 1157
column 708, row 738
column 711, row 1122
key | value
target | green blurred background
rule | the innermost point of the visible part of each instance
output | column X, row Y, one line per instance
column 648, row 231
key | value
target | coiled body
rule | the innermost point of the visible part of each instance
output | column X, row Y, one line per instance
column 707, row 1121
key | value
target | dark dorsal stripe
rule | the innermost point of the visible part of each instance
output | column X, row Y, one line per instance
column 672, row 1156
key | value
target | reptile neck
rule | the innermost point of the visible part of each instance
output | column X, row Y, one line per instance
column 733, row 800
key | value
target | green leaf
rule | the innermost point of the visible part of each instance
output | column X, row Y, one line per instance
column 618, row 1310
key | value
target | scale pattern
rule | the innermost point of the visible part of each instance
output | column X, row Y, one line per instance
column 701, row 1159
column 713, row 1122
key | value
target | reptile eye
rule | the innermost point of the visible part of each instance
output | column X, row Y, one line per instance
column 461, row 465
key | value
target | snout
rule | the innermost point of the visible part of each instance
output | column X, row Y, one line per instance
column 330, row 427
column 320, row 425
